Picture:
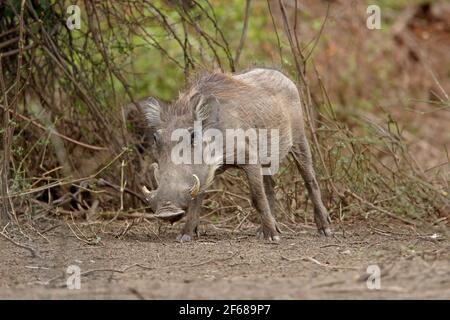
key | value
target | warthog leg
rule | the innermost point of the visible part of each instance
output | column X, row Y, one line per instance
column 269, row 185
column 259, row 198
column 302, row 155
column 192, row 219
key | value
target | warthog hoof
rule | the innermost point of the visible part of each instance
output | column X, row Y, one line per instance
column 325, row 232
column 274, row 238
column 268, row 234
column 184, row 238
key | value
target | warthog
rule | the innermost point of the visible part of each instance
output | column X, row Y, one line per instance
column 259, row 99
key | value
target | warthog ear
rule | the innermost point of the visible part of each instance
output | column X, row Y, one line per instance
column 152, row 112
column 207, row 110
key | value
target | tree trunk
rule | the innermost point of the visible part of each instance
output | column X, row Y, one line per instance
column 5, row 147
column 4, row 203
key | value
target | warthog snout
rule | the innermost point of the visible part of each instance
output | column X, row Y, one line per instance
column 168, row 210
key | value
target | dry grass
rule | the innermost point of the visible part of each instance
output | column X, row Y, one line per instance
column 66, row 152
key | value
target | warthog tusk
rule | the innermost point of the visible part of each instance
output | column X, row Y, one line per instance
column 155, row 173
column 196, row 187
column 145, row 191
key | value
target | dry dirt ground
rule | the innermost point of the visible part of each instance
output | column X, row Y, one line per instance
column 223, row 264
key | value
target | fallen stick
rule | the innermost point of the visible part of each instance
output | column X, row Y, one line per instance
column 23, row 246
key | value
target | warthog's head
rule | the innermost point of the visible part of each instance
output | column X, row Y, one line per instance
column 172, row 127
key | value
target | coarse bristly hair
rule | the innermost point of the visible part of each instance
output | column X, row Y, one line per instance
column 218, row 84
